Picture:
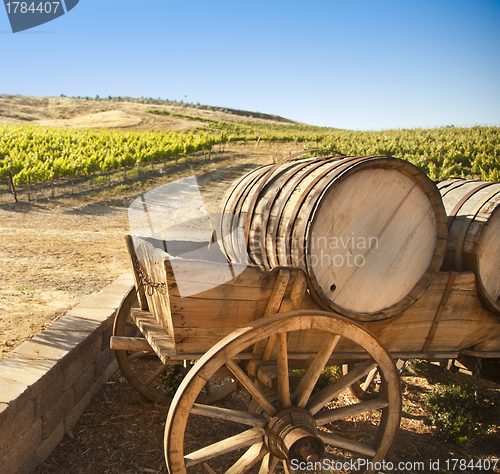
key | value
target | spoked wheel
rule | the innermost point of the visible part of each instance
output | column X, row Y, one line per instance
column 147, row 374
column 292, row 425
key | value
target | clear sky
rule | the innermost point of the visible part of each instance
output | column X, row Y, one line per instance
column 348, row 64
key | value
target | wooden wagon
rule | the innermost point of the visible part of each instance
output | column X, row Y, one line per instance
column 272, row 329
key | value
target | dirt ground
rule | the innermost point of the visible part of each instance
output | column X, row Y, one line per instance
column 55, row 252
column 121, row 433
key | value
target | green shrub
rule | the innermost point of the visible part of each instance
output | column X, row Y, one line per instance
column 329, row 375
column 458, row 416
column 172, row 378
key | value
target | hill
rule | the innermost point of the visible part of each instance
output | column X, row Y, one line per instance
column 121, row 113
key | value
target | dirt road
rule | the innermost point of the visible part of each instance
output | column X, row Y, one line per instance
column 55, row 253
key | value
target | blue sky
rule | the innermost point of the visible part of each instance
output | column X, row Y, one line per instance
column 347, row 64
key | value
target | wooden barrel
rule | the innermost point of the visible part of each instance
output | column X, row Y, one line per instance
column 473, row 209
column 370, row 232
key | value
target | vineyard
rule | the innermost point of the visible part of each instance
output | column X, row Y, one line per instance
column 441, row 153
column 31, row 154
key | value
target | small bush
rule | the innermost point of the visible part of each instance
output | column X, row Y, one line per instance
column 172, row 378
column 458, row 416
column 329, row 375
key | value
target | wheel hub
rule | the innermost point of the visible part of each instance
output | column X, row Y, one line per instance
column 292, row 434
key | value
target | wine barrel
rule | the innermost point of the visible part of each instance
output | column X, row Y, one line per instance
column 473, row 209
column 369, row 231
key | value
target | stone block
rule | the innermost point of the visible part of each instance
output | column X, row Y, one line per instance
column 106, row 336
column 102, row 300
column 48, row 345
column 91, row 350
column 29, row 466
column 99, row 382
column 82, row 356
column 102, row 362
column 12, row 391
column 48, row 445
column 23, row 447
column 57, row 413
column 84, row 384
column 38, row 374
column 8, row 465
column 77, row 411
column 101, row 315
column 48, row 397
column 70, row 323
column 112, row 368
column 14, row 421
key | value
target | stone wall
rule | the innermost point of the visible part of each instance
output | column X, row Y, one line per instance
column 47, row 382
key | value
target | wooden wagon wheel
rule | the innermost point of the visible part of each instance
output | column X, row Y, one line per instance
column 145, row 371
column 300, row 425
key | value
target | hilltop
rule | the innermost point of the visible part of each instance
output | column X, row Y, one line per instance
column 123, row 113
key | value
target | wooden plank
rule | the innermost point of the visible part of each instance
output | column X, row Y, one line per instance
column 141, row 296
column 439, row 313
column 464, row 323
column 158, row 339
column 273, row 307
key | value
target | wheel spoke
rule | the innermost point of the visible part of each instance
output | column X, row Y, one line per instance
column 252, row 389
column 283, row 378
column 320, row 399
column 344, row 443
column 369, row 379
column 270, row 348
column 325, row 417
column 208, row 468
column 288, row 469
column 227, row 414
column 252, row 456
column 269, row 464
column 156, row 374
column 241, row 440
column 212, row 395
column 307, row 384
